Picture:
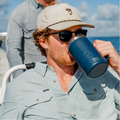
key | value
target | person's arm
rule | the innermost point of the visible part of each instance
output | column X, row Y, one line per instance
column 13, row 45
column 10, row 109
column 117, row 96
column 106, row 48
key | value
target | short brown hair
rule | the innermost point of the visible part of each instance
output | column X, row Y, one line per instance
column 36, row 36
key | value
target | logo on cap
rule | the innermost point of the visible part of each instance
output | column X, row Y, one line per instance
column 69, row 11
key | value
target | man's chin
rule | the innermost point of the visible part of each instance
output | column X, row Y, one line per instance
column 72, row 61
column 72, row 58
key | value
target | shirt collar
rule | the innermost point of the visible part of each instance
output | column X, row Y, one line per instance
column 36, row 3
column 77, row 76
column 41, row 68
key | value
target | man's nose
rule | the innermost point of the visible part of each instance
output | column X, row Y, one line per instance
column 73, row 34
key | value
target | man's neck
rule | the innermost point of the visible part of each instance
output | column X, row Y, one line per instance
column 65, row 78
column 65, row 74
column 46, row 3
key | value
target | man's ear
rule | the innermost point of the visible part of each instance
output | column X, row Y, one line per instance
column 43, row 43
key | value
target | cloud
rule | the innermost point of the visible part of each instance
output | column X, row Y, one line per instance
column 107, row 12
column 84, row 10
column 106, row 19
column 4, row 4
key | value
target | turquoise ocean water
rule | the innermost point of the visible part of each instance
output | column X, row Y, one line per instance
column 114, row 40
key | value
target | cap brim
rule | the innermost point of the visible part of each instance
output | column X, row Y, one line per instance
column 68, row 24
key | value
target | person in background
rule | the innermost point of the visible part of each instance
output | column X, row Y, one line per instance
column 60, row 90
column 19, row 40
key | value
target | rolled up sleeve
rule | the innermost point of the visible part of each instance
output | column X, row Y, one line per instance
column 117, row 95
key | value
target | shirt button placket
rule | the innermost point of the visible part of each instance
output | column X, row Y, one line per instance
column 74, row 115
column 49, row 67
column 54, row 81
column 37, row 100
column 95, row 90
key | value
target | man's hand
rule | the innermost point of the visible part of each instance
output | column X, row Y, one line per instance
column 106, row 48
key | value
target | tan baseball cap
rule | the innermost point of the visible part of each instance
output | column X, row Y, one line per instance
column 60, row 17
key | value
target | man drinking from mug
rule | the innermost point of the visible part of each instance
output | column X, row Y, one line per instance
column 59, row 89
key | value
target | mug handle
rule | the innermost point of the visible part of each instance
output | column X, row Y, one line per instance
column 107, row 57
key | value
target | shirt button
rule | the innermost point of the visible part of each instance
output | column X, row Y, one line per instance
column 54, row 81
column 74, row 115
column 68, row 93
column 37, row 100
column 49, row 67
column 34, row 26
column 95, row 90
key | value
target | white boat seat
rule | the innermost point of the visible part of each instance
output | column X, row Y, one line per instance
column 8, row 76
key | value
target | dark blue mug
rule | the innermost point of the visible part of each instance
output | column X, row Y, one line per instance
column 86, row 55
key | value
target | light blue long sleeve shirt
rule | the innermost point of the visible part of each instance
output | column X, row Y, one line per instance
column 22, row 23
column 37, row 95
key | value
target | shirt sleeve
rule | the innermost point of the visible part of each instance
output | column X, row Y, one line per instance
column 115, row 83
column 14, row 45
column 10, row 109
column 117, row 95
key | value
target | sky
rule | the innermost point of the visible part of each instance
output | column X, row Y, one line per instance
column 103, row 14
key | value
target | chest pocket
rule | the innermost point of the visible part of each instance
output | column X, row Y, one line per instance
column 94, row 91
column 40, row 104
column 29, row 28
column 37, row 98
